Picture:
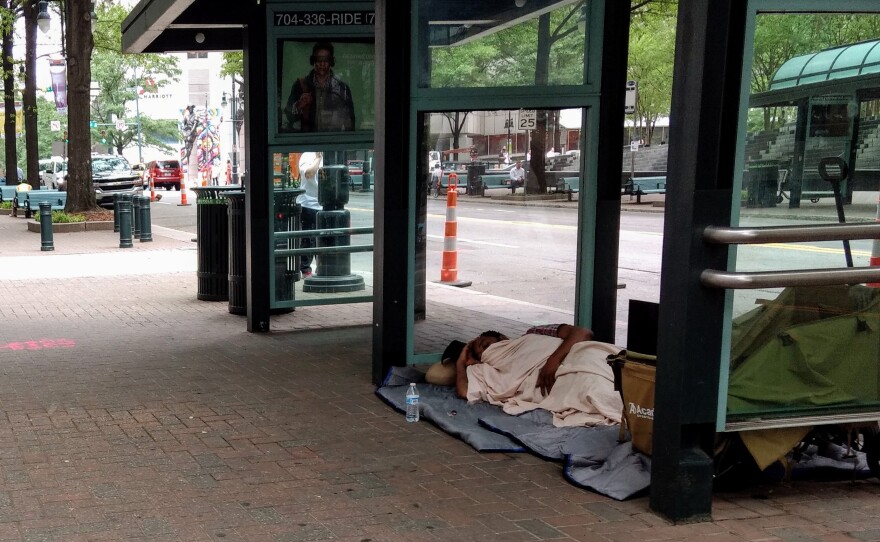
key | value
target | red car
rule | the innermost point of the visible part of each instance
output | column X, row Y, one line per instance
column 164, row 174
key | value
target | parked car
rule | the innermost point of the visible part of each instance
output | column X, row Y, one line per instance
column 165, row 174
column 112, row 175
column 141, row 169
column 355, row 167
column 53, row 171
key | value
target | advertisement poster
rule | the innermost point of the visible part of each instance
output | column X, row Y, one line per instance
column 325, row 86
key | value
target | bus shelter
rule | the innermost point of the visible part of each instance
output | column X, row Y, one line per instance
column 827, row 95
column 410, row 56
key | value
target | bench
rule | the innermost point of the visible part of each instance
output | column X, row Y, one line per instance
column 640, row 186
column 495, row 180
column 567, row 185
column 30, row 201
column 7, row 193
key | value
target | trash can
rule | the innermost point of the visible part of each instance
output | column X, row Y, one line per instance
column 763, row 183
column 475, row 172
column 212, row 240
column 237, row 230
column 287, row 218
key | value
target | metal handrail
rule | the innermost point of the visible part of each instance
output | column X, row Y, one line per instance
column 780, row 279
column 324, row 232
column 790, row 234
column 345, row 249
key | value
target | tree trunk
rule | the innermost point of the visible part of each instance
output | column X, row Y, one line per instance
column 29, row 96
column 538, row 142
column 80, row 191
column 9, row 96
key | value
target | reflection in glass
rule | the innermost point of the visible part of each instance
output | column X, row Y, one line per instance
column 808, row 350
column 322, row 205
column 482, row 189
column 491, row 44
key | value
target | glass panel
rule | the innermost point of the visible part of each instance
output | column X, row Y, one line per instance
column 479, row 44
column 807, row 350
column 322, row 206
column 497, row 223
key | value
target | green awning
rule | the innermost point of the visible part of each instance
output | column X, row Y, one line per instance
column 837, row 63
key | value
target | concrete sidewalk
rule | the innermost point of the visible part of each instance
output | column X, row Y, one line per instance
column 132, row 411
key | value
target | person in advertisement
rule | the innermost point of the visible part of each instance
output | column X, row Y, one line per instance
column 320, row 101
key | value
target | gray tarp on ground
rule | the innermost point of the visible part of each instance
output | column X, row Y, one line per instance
column 594, row 459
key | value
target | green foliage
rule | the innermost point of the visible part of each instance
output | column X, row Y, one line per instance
column 233, row 65
column 5, row 205
column 119, row 76
column 509, row 57
column 651, row 57
column 62, row 217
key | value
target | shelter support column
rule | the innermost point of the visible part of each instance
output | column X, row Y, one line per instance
column 705, row 104
column 258, row 178
column 392, row 222
column 602, row 304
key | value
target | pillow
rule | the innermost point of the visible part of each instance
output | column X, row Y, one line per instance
column 440, row 374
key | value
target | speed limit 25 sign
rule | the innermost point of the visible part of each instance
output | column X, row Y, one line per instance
column 528, row 119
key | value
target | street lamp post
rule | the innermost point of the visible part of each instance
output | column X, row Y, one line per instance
column 508, row 124
column 233, row 113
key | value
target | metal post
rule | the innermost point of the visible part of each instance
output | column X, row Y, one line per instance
column 125, row 222
column 137, row 106
column 46, row 242
column 146, row 219
column 136, row 215
column 116, row 198
column 234, row 136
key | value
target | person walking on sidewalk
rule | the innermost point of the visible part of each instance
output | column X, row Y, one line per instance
column 309, row 165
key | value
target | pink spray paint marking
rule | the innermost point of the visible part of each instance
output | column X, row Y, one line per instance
column 40, row 344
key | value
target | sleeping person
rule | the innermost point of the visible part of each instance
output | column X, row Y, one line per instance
column 556, row 367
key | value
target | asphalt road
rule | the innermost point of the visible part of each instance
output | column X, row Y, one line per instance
column 529, row 253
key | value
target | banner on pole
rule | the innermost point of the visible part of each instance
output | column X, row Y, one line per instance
column 58, row 71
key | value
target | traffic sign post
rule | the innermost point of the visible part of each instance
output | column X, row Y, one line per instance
column 632, row 96
column 120, row 125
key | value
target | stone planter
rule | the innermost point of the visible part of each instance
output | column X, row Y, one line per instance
column 69, row 227
column 5, row 212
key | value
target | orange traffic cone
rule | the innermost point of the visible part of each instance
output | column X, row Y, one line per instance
column 182, row 192
column 152, row 190
column 449, row 269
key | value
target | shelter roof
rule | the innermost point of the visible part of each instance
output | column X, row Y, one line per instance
column 848, row 69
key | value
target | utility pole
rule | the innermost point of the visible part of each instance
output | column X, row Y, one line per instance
column 137, row 108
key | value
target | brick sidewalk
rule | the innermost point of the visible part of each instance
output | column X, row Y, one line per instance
column 133, row 411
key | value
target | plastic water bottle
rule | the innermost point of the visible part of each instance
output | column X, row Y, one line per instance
column 412, row 403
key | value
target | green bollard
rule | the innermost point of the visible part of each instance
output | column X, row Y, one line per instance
column 46, row 242
column 116, row 198
column 125, row 222
column 136, row 215
column 146, row 219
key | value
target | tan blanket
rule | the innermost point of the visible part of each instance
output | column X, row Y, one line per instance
column 582, row 396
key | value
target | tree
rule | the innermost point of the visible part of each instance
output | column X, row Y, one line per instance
column 29, row 94
column 7, row 28
column 79, row 45
column 650, row 59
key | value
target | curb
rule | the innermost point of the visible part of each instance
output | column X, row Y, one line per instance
column 69, row 227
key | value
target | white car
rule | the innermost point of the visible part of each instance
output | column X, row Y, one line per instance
column 52, row 172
